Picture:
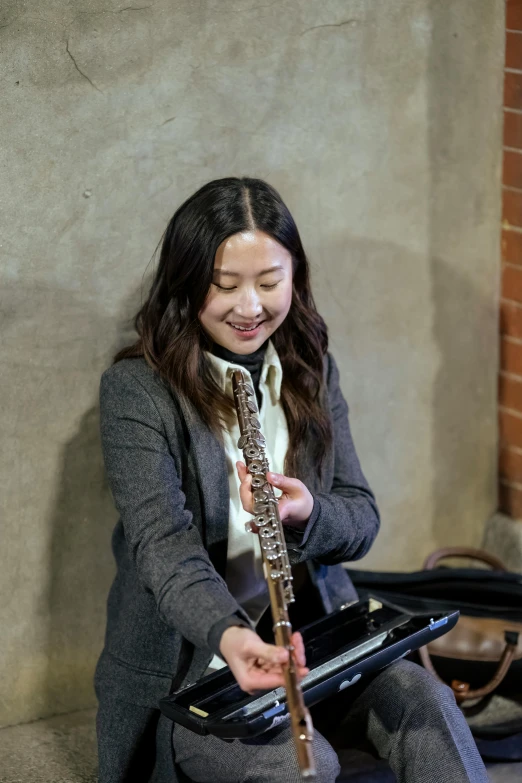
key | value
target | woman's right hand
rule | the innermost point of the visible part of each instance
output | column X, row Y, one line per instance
column 256, row 665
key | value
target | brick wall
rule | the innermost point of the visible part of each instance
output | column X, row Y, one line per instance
column 510, row 382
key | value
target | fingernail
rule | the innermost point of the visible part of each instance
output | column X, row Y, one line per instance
column 274, row 477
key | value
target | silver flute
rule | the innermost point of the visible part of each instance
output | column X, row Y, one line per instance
column 276, row 565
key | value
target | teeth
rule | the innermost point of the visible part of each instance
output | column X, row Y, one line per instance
column 245, row 329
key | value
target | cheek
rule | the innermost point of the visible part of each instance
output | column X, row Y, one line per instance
column 210, row 310
column 285, row 301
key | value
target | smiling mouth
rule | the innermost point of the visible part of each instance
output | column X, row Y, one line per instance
column 245, row 328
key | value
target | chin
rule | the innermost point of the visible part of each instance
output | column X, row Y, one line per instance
column 244, row 347
column 238, row 346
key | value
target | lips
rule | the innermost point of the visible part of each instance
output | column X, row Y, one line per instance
column 245, row 327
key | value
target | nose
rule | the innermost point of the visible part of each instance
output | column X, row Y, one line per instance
column 248, row 305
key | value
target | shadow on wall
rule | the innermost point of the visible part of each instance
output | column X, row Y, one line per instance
column 464, row 311
column 375, row 302
column 81, row 565
column 464, row 454
column 81, row 569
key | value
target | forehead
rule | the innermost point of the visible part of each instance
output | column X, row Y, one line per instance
column 251, row 252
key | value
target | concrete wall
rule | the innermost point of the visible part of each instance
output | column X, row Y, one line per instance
column 380, row 124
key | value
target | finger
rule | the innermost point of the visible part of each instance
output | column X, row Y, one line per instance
column 286, row 510
column 244, row 475
column 271, row 655
column 241, row 470
column 300, row 656
column 259, row 680
column 302, row 671
column 289, row 485
column 279, row 669
column 245, row 493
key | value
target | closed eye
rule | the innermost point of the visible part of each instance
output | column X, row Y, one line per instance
column 232, row 288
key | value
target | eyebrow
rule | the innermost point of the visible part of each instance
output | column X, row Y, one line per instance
column 224, row 273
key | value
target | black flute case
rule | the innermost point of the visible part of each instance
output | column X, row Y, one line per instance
column 341, row 648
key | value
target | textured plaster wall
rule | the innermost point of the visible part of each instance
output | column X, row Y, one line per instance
column 378, row 121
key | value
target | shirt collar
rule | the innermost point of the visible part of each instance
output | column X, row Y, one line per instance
column 271, row 371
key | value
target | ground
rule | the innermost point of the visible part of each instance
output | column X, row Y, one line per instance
column 63, row 750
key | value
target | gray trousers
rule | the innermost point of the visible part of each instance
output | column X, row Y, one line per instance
column 403, row 714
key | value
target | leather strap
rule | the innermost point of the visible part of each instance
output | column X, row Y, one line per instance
column 463, row 551
column 461, row 689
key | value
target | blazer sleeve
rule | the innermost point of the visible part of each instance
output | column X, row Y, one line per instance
column 163, row 542
column 344, row 521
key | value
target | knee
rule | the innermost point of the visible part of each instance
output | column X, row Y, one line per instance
column 277, row 763
column 326, row 760
column 413, row 686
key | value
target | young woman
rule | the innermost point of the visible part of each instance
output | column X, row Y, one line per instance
column 232, row 289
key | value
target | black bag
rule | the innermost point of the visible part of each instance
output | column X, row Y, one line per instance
column 481, row 658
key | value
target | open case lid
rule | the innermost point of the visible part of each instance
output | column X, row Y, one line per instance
column 341, row 648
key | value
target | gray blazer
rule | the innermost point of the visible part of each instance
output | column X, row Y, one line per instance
column 169, row 603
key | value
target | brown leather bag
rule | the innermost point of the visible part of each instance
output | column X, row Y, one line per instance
column 474, row 639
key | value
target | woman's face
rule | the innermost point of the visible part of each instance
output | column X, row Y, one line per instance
column 251, row 291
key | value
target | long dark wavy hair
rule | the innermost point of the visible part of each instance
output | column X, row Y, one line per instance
column 172, row 340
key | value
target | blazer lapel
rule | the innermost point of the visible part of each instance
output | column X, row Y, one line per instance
column 212, row 477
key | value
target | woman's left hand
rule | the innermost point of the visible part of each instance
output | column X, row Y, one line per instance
column 295, row 504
